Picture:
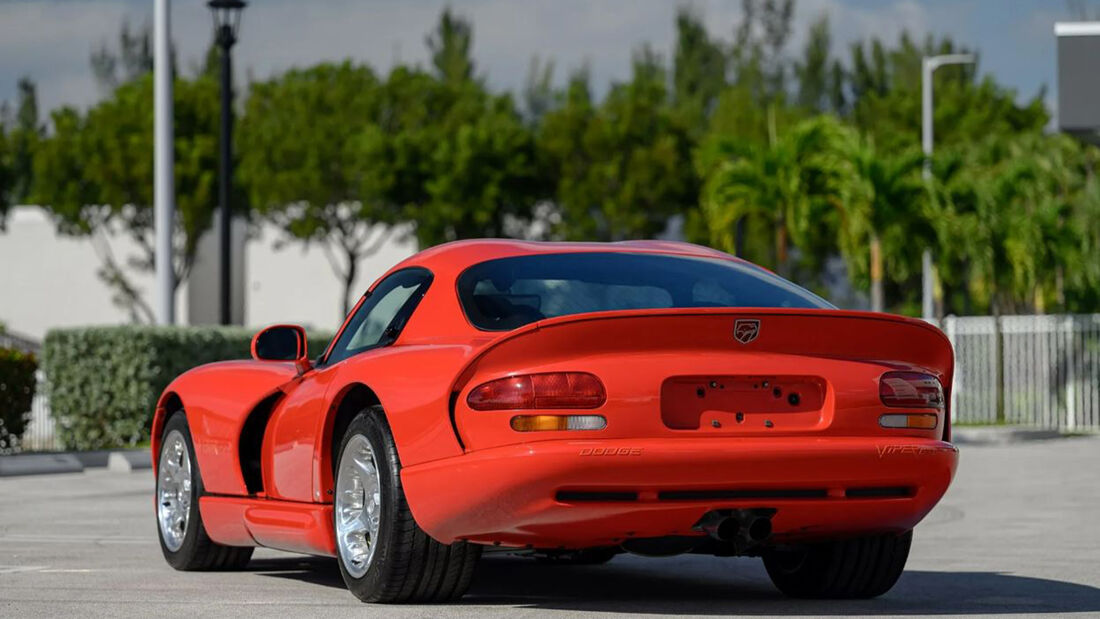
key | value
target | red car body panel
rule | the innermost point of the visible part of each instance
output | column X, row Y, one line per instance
column 468, row 475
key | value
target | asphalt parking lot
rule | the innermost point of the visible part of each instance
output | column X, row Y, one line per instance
column 1018, row 533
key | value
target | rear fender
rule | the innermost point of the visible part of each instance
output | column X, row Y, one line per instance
column 412, row 385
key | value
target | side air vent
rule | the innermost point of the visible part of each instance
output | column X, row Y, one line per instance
column 251, row 442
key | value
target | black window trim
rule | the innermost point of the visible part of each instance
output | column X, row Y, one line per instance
column 402, row 316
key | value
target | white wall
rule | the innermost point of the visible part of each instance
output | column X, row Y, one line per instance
column 48, row 280
column 297, row 285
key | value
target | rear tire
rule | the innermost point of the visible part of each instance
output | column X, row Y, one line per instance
column 864, row 567
column 401, row 563
column 183, row 538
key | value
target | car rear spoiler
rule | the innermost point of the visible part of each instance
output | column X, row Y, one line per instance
column 905, row 343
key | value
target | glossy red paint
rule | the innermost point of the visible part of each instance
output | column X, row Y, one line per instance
column 508, row 494
column 467, row 475
column 296, row 527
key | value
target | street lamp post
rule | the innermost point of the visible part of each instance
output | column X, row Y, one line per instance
column 929, row 66
column 164, row 199
column 227, row 21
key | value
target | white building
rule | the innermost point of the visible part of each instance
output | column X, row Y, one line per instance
column 49, row 280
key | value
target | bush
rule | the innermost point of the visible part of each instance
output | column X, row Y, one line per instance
column 16, row 393
column 103, row 382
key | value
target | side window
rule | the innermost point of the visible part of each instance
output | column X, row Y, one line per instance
column 380, row 318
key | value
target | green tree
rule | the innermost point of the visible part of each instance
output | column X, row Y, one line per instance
column 757, row 52
column 130, row 59
column 538, row 91
column 302, row 164
column 812, row 71
column 886, row 87
column 483, row 180
column 26, row 132
column 458, row 161
column 19, row 135
column 1016, row 220
column 792, row 183
column 94, row 173
column 7, row 175
column 621, row 168
column 450, row 45
column 699, row 67
column 883, row 224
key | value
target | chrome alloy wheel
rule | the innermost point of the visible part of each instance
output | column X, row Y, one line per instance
column 174, row 490
column 358, row 505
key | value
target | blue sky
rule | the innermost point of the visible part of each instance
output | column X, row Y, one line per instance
column 50, row 40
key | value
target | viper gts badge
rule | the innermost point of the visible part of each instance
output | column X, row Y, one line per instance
column 745, row 331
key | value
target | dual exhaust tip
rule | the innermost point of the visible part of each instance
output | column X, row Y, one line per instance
column 744, row 528
column 731, row 531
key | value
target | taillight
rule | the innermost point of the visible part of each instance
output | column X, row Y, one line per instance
column 910, row 390
column 539, row 391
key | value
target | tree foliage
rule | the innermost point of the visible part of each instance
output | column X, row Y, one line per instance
column 95, row 172
column 621, row 167
column 319, row 187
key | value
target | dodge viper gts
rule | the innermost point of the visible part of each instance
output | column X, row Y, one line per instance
column 569, row 401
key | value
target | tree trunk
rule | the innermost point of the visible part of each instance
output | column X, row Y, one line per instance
column 878, row 302
column 739, row 237
column 781, row 247
column 349, row 281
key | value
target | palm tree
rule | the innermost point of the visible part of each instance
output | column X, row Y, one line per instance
column 882, row 214
column 791, row 181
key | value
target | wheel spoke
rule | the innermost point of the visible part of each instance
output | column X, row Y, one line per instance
column 174, row 490
column 357, row 504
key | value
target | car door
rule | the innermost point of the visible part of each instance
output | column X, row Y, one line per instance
column 296, row 426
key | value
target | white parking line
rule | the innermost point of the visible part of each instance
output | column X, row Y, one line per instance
column 11, row 569
column 73, row 539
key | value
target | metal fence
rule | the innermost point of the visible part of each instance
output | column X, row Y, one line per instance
column 1041, row 371
column 39, row 434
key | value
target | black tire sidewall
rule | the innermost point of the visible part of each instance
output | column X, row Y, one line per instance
column 181, row 558
column 370, row 585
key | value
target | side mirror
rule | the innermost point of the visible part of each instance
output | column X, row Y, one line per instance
column 282, row 343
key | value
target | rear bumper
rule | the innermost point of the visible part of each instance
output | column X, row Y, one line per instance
column 583, row 493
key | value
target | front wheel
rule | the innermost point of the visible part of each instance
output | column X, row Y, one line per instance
column 863, row 567
column 183, row 538
column 383, row 555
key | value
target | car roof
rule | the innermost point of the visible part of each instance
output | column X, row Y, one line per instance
column 440, row 315
column 452, row 258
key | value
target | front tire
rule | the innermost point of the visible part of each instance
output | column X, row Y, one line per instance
column 183, row 538
column 383, row 555
column 864, row 567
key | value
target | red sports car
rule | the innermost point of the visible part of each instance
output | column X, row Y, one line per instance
column 570, row 401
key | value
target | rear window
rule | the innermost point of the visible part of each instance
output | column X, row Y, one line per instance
column 508, row 293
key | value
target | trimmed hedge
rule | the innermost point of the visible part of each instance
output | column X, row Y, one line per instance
column 17, row 385
column 103, row 382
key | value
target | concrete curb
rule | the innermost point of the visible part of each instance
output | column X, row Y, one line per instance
column 1000, row 435
column 129, row 461
column 117, row 460
column 39, row 464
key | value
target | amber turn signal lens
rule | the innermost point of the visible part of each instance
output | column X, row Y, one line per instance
column 553, row 423
column 922, row 421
